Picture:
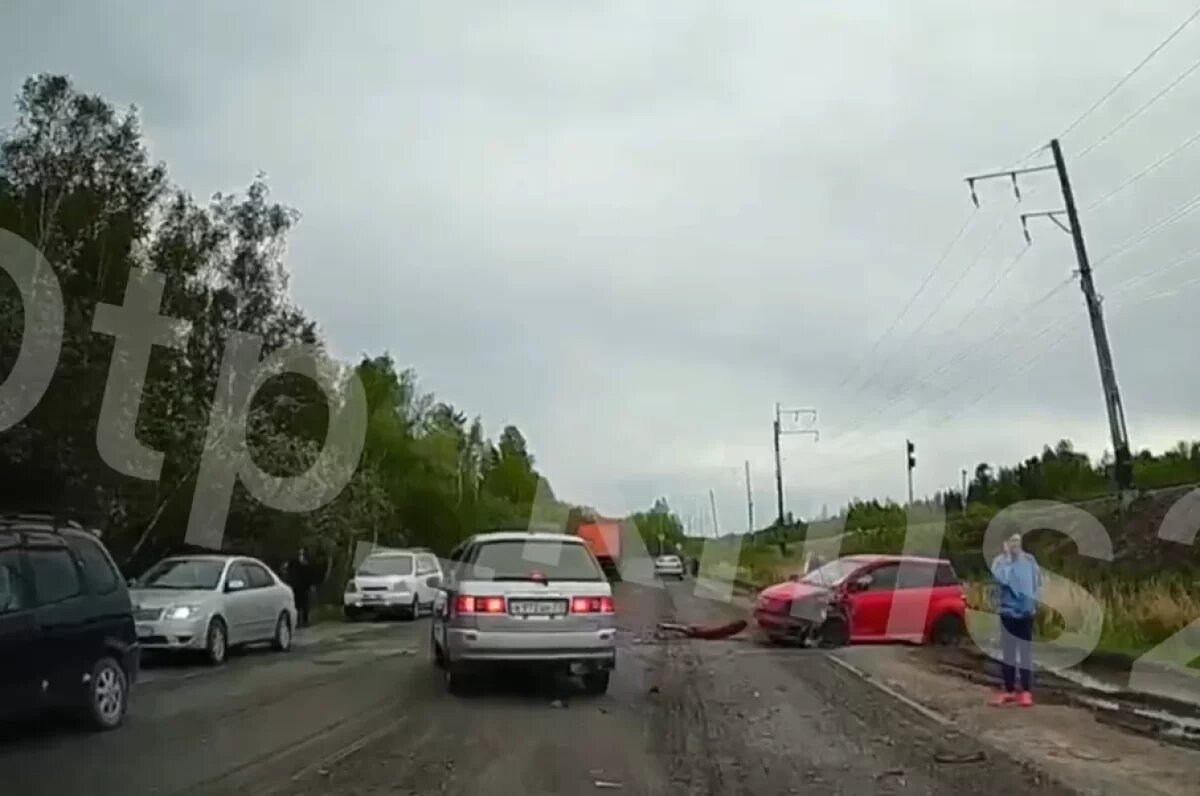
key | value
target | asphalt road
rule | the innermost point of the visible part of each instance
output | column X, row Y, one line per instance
column 364, row 712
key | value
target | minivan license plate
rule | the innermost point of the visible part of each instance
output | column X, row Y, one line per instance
column 537, row 607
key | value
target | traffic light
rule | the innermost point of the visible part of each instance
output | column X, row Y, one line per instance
column 912, row 455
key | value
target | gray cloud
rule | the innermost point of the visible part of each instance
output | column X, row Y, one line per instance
column 631, row 228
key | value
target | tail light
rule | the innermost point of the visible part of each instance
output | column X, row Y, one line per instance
column 467, row 604
column 592, row 605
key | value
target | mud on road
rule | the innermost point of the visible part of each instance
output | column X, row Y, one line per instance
column 367, row 714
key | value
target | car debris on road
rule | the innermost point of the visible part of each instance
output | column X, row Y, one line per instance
column 712, row 632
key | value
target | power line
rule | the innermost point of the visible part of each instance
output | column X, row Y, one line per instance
column 1128, row 285
column 912, row 299
column 1116, row 87
column 907, row 386
column 1121, row 125
column 998, row 332
column 1143, row 172
column 962, row 275
column 1025, row 366
column 1188, row 207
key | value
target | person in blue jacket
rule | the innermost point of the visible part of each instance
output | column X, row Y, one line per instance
column 1018, row 581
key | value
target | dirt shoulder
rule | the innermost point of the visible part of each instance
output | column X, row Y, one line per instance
column 1072, row 744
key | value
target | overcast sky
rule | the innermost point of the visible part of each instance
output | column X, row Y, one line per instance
column 631, row 227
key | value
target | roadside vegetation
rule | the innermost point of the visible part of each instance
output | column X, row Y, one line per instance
column 1148, row 592
column 78, row 183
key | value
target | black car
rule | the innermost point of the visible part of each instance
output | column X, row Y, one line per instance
column 67, row 637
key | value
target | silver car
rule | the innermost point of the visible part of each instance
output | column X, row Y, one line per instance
column 669, row 566
column 400, row 581
column 525, row 598
column 209, row 603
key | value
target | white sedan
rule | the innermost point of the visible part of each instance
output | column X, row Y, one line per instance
column 669, row 566
column 208, row 603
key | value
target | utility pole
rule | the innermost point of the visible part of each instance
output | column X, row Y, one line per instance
column 796, row 414
column 910, row 458
column 964, row 490
column 749, row 502
column 1123, row 460
column 712, row 500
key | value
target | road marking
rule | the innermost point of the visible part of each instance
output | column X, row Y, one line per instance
column 925, row 711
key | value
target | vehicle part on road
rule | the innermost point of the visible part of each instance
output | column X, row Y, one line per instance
column 711, row 632
column 217, row 644
column 970, row 757
column 283, row 633
column 108, row 695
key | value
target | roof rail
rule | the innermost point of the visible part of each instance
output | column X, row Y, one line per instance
column 54, row 519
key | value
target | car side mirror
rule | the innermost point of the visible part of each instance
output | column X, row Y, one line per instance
column 131, row 583
column 433, row 581
column 235, row 585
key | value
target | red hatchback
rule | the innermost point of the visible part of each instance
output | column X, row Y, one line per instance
column 867, row 598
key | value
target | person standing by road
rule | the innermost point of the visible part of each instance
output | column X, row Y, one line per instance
column 1018, row 581
column 300, row 576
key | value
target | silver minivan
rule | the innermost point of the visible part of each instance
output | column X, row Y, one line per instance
column 525, row 598
column 393, row 581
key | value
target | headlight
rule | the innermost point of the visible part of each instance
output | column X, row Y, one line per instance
column 350, row 587
column 182, row 612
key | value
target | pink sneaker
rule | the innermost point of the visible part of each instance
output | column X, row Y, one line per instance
column 1002, row 698
column 1025, row 700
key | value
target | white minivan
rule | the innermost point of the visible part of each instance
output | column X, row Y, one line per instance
column 393, row 581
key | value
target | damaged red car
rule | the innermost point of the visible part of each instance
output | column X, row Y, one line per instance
column 864, row 599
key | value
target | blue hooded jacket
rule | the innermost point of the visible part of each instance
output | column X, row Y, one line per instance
column 1018, row 583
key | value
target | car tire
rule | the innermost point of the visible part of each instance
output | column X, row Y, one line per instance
column 282, row 640
column 414, row 610
column 457, row 679
column 834, row 633
column 107, row 695
column 216, row 645
column 435, row 650
column 947, row 630
column 596, row 682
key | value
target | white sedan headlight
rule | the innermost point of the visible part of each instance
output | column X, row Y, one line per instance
column 183, row 612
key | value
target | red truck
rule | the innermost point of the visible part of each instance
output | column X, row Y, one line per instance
column 604, row 539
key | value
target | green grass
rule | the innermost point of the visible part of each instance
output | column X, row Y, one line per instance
column 1138, row 615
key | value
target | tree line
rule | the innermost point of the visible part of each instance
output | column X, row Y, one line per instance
column 77, row 182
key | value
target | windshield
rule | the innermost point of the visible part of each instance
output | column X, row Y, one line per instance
column 183, row 573
column 832, row 573
column 519, row 559
column 386, row 565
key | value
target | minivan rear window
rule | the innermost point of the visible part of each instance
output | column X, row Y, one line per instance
column 519, row 559
column 386, row 565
